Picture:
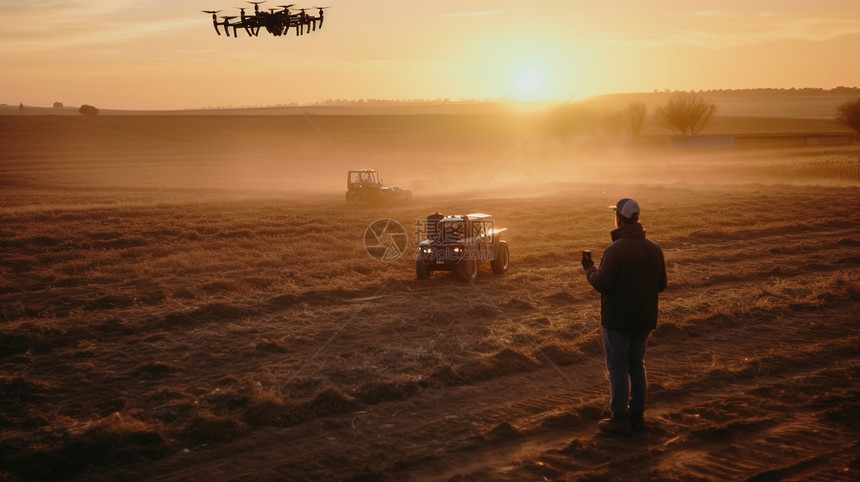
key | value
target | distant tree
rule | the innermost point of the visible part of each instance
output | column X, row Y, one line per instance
column 686, row 113
column 88, row 110
column 635, row 117
column 21, row 106
column 842, row 90
column 58, row 105
column 849, row 114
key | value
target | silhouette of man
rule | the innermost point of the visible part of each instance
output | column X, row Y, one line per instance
column 632, row 273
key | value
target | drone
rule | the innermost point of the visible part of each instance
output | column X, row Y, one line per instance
column 276, row 21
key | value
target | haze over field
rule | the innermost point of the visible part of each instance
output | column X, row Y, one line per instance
column 293, row 156
column 166, row 55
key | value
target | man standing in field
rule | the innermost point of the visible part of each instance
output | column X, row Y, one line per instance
column 632, row 272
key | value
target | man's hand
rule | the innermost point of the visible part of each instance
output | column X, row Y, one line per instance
column 587, row 263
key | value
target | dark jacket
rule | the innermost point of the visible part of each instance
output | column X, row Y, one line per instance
column 632, row 272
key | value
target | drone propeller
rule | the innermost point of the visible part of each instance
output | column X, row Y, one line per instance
column 321, row 16
column 256, row 5
column 228, row 17
column 214, row 19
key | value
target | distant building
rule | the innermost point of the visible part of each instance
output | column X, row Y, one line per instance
column 830, row 140
column 704, row 142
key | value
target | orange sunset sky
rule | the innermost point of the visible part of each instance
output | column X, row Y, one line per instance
column 162, row 54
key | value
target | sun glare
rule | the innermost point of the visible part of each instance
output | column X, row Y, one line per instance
column 531, row 83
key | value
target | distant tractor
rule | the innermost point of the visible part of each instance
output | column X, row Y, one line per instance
column 364, row 186
column 461, row 243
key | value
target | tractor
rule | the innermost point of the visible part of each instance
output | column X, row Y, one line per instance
column 364, row 186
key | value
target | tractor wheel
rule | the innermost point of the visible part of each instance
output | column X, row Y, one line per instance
column 422, row 271
column 503, row 258
column 468, row 269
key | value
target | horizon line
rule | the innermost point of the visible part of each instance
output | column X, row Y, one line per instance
column 375, row 102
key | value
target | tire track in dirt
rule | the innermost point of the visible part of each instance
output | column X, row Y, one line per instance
column 510, row 422
column 520, row 427
column 723, row 420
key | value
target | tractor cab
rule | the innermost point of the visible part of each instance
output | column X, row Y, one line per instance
column 363, row 178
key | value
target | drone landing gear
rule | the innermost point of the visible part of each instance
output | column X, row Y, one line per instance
column 214, row 19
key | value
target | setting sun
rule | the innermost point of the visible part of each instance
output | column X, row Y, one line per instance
column 531, row 83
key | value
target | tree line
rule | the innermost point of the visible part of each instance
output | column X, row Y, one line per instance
column 685, row 113
column 802, row 91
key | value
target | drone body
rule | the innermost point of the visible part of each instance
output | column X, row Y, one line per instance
column 276, row 21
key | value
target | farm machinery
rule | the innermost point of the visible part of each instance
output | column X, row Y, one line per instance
column 364, row 186
column 461, row 243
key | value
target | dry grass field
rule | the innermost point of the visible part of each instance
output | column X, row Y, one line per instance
column 189, row 298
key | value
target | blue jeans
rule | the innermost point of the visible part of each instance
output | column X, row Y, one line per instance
column 625, row 360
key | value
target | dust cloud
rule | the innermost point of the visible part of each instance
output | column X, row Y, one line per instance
column 512, row 155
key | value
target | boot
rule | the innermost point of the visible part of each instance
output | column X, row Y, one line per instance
column 614, row 425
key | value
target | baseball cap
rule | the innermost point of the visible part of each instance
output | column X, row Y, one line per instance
column 627, row 208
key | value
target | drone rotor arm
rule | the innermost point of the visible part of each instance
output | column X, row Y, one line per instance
column 227, row 24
